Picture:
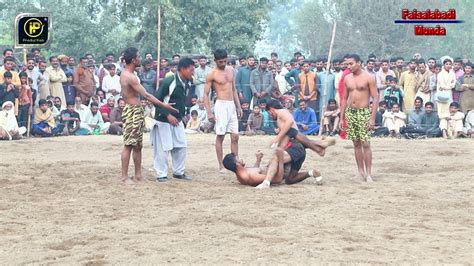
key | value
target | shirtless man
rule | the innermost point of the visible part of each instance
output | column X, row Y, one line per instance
column 288, row 130
column 359, row 86
column 227, row 107
column 133, row 114
column 285, row 165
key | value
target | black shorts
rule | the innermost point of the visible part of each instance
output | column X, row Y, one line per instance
column 292, row 132
column 297, row 154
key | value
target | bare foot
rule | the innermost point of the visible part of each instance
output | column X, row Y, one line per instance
column 369, row 179
column 329, row 141
column 139, row 179
column 126, row 181
column 222, row 170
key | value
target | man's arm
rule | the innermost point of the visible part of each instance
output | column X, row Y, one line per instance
column 62, row 75
column 136, row 86
column 252, row 82
column 288, row 78
column 207, row 89
column 285, row 121
column 375, row 105
column 269, row 78
column 238, row 81
column 75, row 81
column 343, row 103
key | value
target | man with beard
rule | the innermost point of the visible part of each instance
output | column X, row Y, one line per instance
column 63, row 61
column 84, row 81
column 148, row 77
column 422, row 82
column 242, row 81
column 36, row 76
column 407, row 84
column 200, row 76
column 227, row 107
column 93, row 121
column 133, row 116
column 431, row 65
column 381, row 76
column 107, row 108
column 56, row 77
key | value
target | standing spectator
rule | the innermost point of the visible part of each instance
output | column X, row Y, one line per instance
column 176, row 58
column 8, row 92
column 305, row 119
column 111, row 84
column 451, row 123
column 63, row 61
column 163, row 68
column 446, row 81
column 382, row 75
column 44, row 124
column 308, row 86
column 255, row 122
column 56, row 77
column 148, row 77
column 200, row 76
column 465, row 86
column 422, row 82
column 25, row 101
column 431, row 64
column 458, row 72
column 292, row 77
column 35, row 76
column 43, row 85
column 330, row 89
column 398, row 69
column 261, row 81
column 331, row 118
column 69, row 90
column 394, row 120
column 8, row 67
column 433, row 84
column 469, row 124
column 370, row 67
column 116, row 124
column 242, row 81
column 393, row 94
column 415, row 114
column 280, row 78
column 84, row 81
column 245, row 117
column 72, row 64
column 407, row 84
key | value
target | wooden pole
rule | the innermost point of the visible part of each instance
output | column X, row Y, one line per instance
column 328, row 65
column 158, row 48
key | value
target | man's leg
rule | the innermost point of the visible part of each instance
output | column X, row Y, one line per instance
column 296, row 177
column 234, row 144
column 137, row 161
column 318, row 146
column 178, row 155
column 219, row 152
column 359, row 156
column 125, row 162
column 367, row 160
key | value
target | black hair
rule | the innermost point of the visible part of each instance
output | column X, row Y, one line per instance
column 185, row 63
column 8, row 59
column 69, row 74
column 109, row 54
column 371, row 60
column 240, row 58
column 94, row 104
column 319, row 59
column 274, row 54
column 413, row 60
column 202, row 57
column 332, row 101
column 31, row 58
column 89, row 54
column 23, row 74
column 120, row 99
column 399, row 58
column 250, row 56
column 147, row 62
column 337, row 60
column 176, row 55
column 129, row 54
column 383, row 103
column 437, row 65
column 35, row 49
column 262, row 101
column 385, row 61
column 419, row 99
column 295, row 55
column 421, row 61
column 432, row 58
column 356, row 57
column 220, row 54
column 454, row 104
column 194, row 96
column 447, row 60
column 69, row 104
column 52, row 57
column 263, row 59
column 7, row 50
column 83, row 58
column 395, row 104
column 468, row 64
column 306, row 62
column 230, row 162
column 194, row 112
column 149, row 54
column 272, row 103
column 7, row 74
column 57, row 98
column 429, row 103
column 458, row 60
column 42, row 102
column 371, row 56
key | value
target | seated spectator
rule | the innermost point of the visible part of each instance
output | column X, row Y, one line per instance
column 245, row 117
column 379, row 129
column 428, row 126
column 206, row 125
column 331, row 118
column 268, row 125
column 305, row 119
column 451, row 124
column 102, row 99
column 69, row 89
column 8, row 125
column 116, row 123
column 194, row 124
column 394, row 120
column 8, row 92
column 81, row 109
column 94, row 123
column 393, row 94
column 94, row 99
column 44, row 124
column 56, row 108
column 255, row 122
column 71, row 120
column 469, row 124
column 106, row 109
column 415, row 115
column 290, row 104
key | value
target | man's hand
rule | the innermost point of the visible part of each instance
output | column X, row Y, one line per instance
column 211, row 117
column 239, row 113
column 113, row 91
column 170, row 108
column 172, row 120
column 305, row 127
column 469, row 132
column 464, row 86
column 371, row 124
column 30, row 111
column 258, row 94
column 341, row 124
column 263, row 94
column 10, row 87
column 265, row 184
column 259, row 155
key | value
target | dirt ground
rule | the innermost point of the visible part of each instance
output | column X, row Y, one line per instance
column 61, row 203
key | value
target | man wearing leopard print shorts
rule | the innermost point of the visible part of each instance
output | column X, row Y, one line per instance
column 359, row 87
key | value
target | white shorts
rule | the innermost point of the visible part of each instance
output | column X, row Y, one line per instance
column 226, row 117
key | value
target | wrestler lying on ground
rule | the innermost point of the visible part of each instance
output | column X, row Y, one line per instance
column 285, row 165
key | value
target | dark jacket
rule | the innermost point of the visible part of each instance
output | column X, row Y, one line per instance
column 172, row 91
column 7, row 96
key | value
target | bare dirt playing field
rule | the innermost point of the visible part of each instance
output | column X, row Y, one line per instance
column 60, row 202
